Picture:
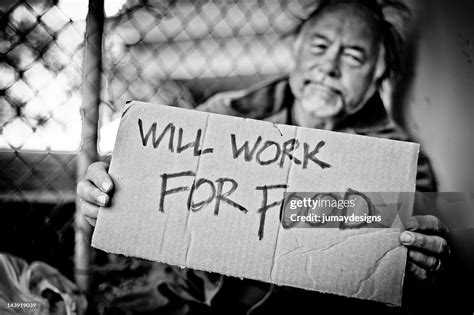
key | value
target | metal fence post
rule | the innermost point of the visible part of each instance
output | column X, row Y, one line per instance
column 90, row 119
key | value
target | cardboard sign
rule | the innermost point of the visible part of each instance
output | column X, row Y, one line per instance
column 204, row 191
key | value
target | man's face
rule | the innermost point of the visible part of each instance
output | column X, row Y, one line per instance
column 336, row 61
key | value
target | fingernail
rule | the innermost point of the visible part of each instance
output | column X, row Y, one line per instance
column 105, row 186
column 407, row 237
column 102, row 199
column 412, row 224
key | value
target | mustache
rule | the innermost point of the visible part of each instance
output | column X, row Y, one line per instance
column 323, row 80
column 326, row 84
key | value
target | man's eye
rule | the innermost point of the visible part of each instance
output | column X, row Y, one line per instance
column 318, row 48
column 353, row 59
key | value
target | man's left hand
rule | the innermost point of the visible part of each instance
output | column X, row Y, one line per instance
column 427, row 246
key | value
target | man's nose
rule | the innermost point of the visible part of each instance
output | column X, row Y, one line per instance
column 330, row 65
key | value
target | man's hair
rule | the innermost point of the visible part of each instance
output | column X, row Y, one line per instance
column 391, row 16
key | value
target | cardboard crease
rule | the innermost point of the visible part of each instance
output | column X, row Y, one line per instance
column 286, row 189
column 372, row 270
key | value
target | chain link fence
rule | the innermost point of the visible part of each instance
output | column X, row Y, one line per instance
column 59, row 109
column 41, row 49
column 182, row 52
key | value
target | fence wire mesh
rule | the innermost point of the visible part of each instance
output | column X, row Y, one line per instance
column 41, row 78
column 182, row 52
column 172, row 52
column 41, row 49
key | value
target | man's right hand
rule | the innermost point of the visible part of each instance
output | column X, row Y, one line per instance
column 95, row 190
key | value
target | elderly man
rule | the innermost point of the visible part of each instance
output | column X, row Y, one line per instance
column 341, row 55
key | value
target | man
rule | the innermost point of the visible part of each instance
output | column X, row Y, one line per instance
column 341, row 55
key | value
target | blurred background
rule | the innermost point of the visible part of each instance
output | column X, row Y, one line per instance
column 67, row 68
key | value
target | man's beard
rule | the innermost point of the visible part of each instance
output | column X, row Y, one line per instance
column 320, row 101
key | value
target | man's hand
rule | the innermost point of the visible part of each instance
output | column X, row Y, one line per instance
column 427, row 247
column 94, row 190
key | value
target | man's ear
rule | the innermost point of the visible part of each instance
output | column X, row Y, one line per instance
column 381, row 66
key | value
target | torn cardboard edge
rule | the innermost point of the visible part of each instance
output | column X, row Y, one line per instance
column 132, row 223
